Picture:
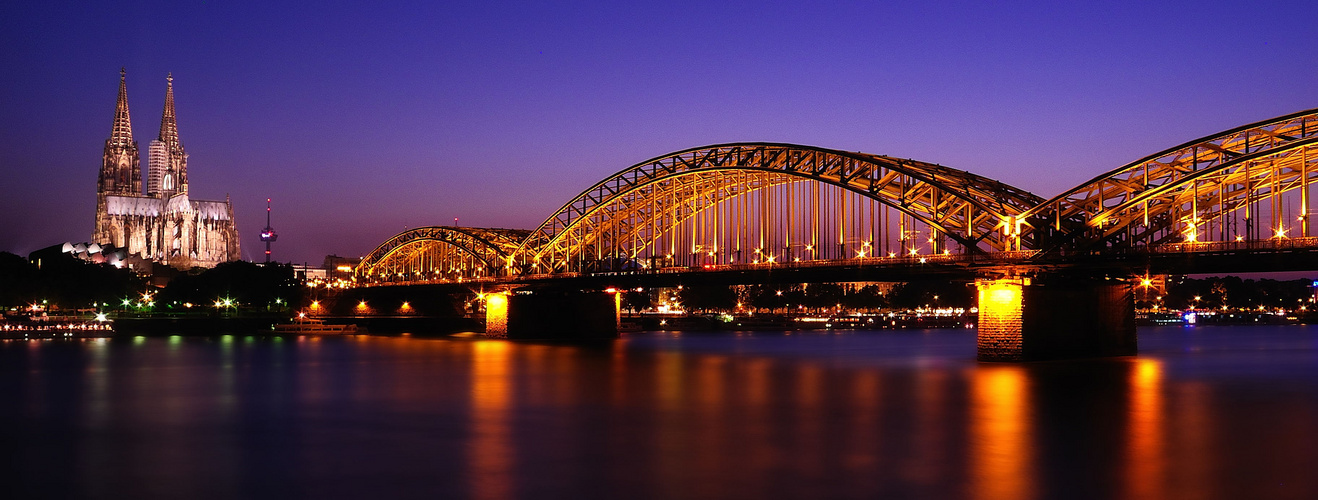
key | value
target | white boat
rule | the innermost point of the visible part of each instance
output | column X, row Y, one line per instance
column 311, row 326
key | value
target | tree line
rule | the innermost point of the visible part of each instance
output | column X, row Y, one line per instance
column 67, row 282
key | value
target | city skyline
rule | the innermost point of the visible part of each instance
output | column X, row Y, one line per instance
column 359, row 122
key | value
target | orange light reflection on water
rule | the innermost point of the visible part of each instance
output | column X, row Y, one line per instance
column 491, row 449
column 1145, row 461
column 1001, row 452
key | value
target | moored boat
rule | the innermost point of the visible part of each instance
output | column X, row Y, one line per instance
column 312, row 326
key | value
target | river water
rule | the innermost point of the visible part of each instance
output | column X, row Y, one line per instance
column 1203, row 412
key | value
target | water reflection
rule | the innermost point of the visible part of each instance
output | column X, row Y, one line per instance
column 1001, row 448
column 1202, row 414
column 1145, row 463
column 491, row 447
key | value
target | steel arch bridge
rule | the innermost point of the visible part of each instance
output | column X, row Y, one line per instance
column 1247, row 184
column 441, row 253
column 751, row 204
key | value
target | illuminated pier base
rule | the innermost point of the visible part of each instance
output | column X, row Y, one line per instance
column 552, row 316
column 1024, row 321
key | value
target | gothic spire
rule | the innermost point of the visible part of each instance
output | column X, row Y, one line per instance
column 168, row 125
column 122, row 133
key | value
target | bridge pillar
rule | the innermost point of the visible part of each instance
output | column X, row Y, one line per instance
column 1021, row 320
column 552, row 315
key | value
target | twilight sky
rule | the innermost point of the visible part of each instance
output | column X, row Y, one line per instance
column 360, row 120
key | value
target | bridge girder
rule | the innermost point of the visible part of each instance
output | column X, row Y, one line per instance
column 491, row 248
column 969, row 208
column 1173, row 192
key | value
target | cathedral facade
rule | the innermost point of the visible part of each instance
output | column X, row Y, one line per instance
column 159, row 223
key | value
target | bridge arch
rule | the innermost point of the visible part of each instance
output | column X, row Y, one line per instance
column 1208, row 189
column 621, row 215
column 437, row 253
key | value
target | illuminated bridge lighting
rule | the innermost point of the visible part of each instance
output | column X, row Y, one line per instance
column 716, row 208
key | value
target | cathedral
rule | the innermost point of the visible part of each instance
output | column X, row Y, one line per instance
column 158, row 224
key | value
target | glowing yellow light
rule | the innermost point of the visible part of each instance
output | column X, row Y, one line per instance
column 1146, row 282
column 1240, row 238
column 1003, row 294
column 496, row 315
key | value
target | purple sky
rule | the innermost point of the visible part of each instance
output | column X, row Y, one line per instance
column 360, row 120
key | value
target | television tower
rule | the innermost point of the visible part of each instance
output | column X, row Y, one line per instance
column 268, row 234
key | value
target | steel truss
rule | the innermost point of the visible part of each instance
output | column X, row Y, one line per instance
column 623, row 214
column 751, row 203
column 441, row 253
column 1209, row 189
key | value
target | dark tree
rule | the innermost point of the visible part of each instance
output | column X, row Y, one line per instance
column 916, row 294
column 64, row 281
column 634, row 301
column 245, row 283
column 707, row 297
column 18, row 281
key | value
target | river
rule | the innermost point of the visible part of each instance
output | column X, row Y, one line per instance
column 1202, row 412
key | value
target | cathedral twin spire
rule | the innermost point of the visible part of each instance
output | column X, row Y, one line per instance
column 166, row 162
column 120, row 173
column 168, row 123
column 122, row 133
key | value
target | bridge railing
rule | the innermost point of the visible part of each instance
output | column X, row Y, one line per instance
column 908, row 260
column 1272, row 244
column 897, row 260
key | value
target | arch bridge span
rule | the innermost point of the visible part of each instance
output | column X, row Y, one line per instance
column 441, row 253
column 741, row 205
column 1244, row 185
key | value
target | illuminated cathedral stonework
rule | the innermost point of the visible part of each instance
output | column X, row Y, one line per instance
column 160, row 224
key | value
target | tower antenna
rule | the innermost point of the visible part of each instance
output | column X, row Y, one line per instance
column 268, row 234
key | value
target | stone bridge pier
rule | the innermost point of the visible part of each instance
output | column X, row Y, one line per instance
column 552, row 315
column 1052, row 317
